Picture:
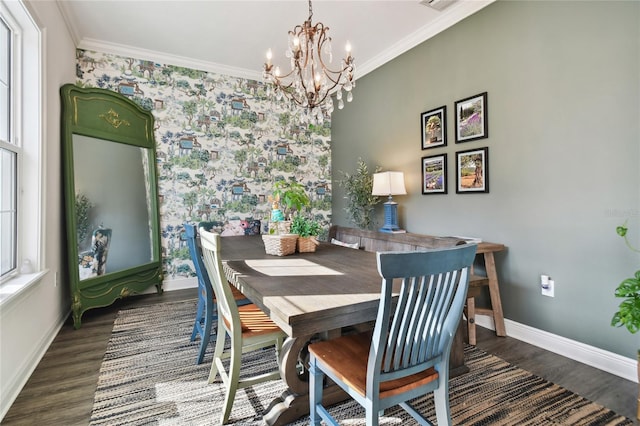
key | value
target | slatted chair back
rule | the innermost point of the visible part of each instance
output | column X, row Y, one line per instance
column 227, row 307
column 407, row 355
column 415, row 328
column 206, row 308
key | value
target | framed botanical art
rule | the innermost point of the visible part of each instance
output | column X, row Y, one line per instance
column 472, row 170
column 471, row 118
column 434, row 174
column 433, row 127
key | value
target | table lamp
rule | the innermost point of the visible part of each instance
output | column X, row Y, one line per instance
column 390, row 184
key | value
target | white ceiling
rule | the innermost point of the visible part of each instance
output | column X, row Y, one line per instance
column 232, row 36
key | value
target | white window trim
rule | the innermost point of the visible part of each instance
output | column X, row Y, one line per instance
column 28, row 127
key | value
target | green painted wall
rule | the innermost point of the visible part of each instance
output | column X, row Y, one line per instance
column 564, row 148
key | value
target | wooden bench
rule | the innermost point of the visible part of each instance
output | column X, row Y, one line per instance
column 380, row 241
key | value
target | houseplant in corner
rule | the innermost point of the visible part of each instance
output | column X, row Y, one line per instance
column 308, row 231
column 628, row 314
column 360, row 202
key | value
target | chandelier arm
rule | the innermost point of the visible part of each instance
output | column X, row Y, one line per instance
column 310, row 81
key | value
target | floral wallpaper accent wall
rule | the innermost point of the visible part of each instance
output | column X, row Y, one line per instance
column 221, row 145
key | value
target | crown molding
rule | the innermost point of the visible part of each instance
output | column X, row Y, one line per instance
column 124, row 50
column 63, row 7
column 448, row 18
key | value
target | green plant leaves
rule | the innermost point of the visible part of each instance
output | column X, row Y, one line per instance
column 358, row 187
column 621, row 230
column 628, row 314
column 291, row 195
column 305, row 227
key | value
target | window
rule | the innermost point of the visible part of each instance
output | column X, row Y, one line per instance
column 20, row 144
column 8, row 159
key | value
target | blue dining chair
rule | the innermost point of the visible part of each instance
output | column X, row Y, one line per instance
column 206, row 311
column 407, row 353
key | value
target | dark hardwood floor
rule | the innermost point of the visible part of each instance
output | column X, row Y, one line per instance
column 60, row 391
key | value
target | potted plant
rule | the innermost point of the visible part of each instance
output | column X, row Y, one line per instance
column 308, row 231
column 288, row 197
column 628, row 314
column 360, row 201
column 291, row 196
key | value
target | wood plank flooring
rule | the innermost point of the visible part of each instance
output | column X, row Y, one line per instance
column 61, row 389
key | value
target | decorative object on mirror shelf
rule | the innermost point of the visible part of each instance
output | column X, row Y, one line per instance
column 434, row 174
column 311, row 82
column 471, row 118
column 433, row 125
column 628, row 314
column 360, row 201
column 308, row 231
column 93, row 262
column 389, row 184
column 472, row 170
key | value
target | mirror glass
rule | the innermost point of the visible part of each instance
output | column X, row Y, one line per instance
column 113, row 206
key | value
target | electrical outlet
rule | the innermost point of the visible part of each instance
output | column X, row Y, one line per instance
column 547, row 285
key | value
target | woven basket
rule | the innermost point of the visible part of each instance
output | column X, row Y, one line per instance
column 307, row 244
column 280, row 245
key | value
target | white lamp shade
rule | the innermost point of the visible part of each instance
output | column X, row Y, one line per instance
column 388, row 183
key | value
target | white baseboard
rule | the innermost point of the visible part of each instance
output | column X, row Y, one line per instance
column 621, row 366
column 175, row 284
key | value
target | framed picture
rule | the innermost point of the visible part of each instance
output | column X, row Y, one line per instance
column 472, row 170
column 433, row 125
column 434, row 174
column 471, row 118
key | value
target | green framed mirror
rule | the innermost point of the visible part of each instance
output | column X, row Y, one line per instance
column 111, row 198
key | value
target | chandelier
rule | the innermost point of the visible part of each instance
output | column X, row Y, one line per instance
column 311, row 83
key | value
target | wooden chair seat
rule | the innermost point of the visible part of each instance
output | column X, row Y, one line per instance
column 351, row 353
column 254, row 322
column 237, row 294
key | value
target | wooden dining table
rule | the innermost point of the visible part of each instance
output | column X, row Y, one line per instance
column 311, row 296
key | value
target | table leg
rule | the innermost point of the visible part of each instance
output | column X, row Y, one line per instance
column 494, row 293
column 294, row 402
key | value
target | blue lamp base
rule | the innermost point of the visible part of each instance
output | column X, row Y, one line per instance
column 390, row 217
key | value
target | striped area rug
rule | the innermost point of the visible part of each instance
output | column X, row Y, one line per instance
column 149, row 376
